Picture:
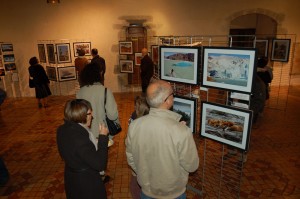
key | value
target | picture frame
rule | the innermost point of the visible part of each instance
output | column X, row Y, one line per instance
column 186, row 107
column 8, row 58
column 137, row 58
column 227, row 125
column 125, row 48
column 179, row 64
column 63, row 53
column 42, row 53
column 155, row 54
column 10, row 66
column 230, row 69
column 2, row 71
column 86, row 46
column 7, row 47
column 280, row 50
column 66, row 73
column 51, row 73
column 126, row 66
column 262, row 46
column 51, row 53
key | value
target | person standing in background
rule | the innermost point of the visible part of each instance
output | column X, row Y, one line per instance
column 100, row 61
column 80, row 62
column 41, row 82
column 146, row 69
column 159, row 148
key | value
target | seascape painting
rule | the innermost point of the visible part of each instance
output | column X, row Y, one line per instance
column 228, row 68
column 186, row 107
column 227, row 125
column 179, row 64
column 66, row 73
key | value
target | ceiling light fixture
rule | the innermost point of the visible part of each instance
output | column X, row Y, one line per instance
column 53, row 1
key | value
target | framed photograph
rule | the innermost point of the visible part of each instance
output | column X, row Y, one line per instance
column 42, row 53
column 125, row 48
column 227, row 125
column 137, row 58
column 66, row 73
column 187, row 108
column 86, row 46
column 229, row 68
column 2, row 71
column 51, row 53
column 126, row 66
column 280, row 50
column 9, row 58
column 10, row 66
column 52, row 73
column 7, row 47
column 63, row 53
column 154, row 54
column 179, row 64
column 262, row 47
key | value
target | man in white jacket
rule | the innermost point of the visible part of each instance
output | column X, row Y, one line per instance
column 159, row 148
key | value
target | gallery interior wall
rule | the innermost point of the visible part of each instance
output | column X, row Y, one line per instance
column 102, row 22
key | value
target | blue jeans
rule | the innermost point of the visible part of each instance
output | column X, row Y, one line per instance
column 182, row 196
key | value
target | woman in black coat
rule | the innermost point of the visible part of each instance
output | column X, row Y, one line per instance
column 84, row 156
column 40, row 81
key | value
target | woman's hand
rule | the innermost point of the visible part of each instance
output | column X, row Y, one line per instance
column 103, row 130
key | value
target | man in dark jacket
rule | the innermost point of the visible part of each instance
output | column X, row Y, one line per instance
column 146, row 69
column 100, row 62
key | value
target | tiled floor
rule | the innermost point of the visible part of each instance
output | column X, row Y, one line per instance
column 272, row 170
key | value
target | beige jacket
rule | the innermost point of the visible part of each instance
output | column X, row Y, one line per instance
column 162, row 152
column 95, row 95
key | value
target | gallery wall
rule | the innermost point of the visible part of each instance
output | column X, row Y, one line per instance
column 102, row 22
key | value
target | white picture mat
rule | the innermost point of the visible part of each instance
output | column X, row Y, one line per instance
column 164, row 69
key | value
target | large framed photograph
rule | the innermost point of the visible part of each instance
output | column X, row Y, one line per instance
column 86, row 46
column 137, row 58
column 229, row 68
column 126, row 66
column 66, row 73
column 280, row 50
column 187, row 108
column 52, row 73
column 51, row 53
column 42, row 53
column 9, row 58
column 179, row 64
column 125, row 48
column 63, row 53
column 227, row 125
column 262, row 46
column 7, row 47
column 154, row 54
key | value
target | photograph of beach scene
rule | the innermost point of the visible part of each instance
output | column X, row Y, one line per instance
column 230, row 69
column 179, row 64
column 186, row 108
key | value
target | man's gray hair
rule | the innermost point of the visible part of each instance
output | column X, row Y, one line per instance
column 158, row 97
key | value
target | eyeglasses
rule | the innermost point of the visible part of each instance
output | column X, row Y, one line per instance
column 169, row 96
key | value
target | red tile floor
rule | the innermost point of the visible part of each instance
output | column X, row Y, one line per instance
column 272, row 169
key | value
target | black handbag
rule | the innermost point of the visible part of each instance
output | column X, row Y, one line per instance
column 113, row 127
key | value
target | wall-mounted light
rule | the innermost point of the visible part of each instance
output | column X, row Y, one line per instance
column 53, row 1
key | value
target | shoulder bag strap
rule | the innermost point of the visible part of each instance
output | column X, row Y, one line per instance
column 105, row 91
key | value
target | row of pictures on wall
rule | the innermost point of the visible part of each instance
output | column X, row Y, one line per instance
column 280, row 49
column 225, row 124
column 61, row 74
column 61, row 52
column 7, row 58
